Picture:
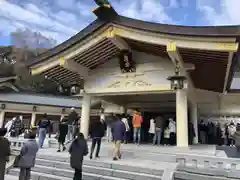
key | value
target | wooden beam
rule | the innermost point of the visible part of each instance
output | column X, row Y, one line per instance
column 115, row 32
column 44, row 67
column 175, row 56
column 211, row 44
column 73, row 66
column 120, row 43
column 230, row 58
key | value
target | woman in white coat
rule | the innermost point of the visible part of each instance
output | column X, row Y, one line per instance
column 126, row 135
column 172, row 130
column 152, row 129
column 8, row 126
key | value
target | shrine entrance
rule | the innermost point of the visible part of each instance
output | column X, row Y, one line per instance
column 150, row 106
column 116, row 55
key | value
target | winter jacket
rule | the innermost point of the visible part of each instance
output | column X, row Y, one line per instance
column 125, row 121
column 152, row 128
column 78, row 149
column 118, row 130
column 137, row 120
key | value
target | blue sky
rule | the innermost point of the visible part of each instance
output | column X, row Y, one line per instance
column 61, row 19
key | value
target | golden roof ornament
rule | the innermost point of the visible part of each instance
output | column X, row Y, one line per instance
column 104, row 11
column 103, row 3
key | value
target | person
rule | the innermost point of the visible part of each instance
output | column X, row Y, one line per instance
column 202, row 132
column 43, row 125
column 72, row 121
column 152, row 129
column 27, row 156
column 172, row 130
column 166, row 136
column 237, row 138
column 125, row 121
column 137, row 123
column 77, row 150
column 4, row 153
column 63, row 130
column 231, row 132
column 96, row 131
column 191, row 132
column 50, row 129
column 8, row 126
column 76, row 126
column 219, row 134
column 109, row 120
column 17, row 127
column 118, row 131
column 159, row 123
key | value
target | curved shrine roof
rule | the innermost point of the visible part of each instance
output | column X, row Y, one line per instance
column 197, row 31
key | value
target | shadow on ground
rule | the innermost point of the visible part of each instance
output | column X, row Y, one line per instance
column 231, row 152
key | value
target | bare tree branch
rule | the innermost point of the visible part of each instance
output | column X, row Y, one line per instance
column 28, row 44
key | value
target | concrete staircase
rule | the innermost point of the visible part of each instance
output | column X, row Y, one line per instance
column 58, row 168
column 138, row 163
column 189, row 173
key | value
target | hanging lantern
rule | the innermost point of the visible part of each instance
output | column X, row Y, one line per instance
column 75, row 89
column 34, row 108
column 3, row 106
column 177, row 81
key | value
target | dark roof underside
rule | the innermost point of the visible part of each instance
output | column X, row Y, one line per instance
column 206, row 31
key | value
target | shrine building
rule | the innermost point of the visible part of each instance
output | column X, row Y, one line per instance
column 129, row 64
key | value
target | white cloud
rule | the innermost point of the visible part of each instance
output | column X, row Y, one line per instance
column 150, row 10
column 228, row 14
column 61, row 19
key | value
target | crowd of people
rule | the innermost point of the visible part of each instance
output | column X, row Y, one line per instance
column 220, row 134
column 116, row 127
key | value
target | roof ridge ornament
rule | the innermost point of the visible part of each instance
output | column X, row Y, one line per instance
column 104, row 11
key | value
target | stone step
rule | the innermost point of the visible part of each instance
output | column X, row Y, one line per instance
column 96, row 171
column 179, row 175
column 208, row 150
column 10, row 177
column 103, row 166
column 207, row 173
column 45, row 176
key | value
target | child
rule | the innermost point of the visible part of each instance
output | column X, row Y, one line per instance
column 27, row 156
column 166, row 136
column 152, row 129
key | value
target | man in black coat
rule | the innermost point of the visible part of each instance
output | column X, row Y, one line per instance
column 96, row 131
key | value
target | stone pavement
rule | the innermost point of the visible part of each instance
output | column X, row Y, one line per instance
column 10, row 177
column 105, row 156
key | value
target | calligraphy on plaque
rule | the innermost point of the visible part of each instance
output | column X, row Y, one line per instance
column 126, row 62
